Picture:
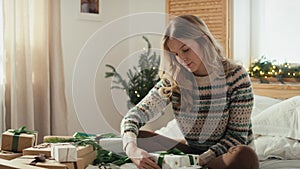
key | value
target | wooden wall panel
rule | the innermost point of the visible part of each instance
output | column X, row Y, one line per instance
column 215, row 13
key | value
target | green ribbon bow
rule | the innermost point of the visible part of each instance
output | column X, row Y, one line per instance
column 174, row 151
column 17, row 133
column 22, row 130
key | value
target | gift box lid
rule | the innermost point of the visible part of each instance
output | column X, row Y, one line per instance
column 24, row 132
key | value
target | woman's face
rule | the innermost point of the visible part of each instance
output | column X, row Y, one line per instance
column 189, row 54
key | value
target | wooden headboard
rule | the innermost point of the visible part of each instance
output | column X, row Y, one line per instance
column 279, row 91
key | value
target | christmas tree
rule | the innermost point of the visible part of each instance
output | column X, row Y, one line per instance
column 141, row 78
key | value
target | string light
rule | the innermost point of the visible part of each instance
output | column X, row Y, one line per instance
column 265, row 69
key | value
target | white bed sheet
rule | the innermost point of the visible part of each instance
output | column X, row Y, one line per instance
column 280, row 164
column 268, row 164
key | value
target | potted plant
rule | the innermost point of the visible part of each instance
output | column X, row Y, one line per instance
column 140, row 79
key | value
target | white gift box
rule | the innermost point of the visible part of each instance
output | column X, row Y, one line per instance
column 64, row 152
column 171, row 161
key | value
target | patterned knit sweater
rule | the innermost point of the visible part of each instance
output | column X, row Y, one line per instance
column 219, row 117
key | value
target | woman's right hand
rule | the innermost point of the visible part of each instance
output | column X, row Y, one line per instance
column 140, row 157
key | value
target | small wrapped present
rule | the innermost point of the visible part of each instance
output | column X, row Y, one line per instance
column 64, row 152
column 8, row 155
column 174, row 159
column 19, row 139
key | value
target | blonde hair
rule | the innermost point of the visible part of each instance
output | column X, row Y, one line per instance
column 192, row 27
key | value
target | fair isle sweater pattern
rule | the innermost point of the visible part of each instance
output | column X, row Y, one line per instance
column 219, row 117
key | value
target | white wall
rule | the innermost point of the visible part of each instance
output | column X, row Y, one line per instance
column 75, row 34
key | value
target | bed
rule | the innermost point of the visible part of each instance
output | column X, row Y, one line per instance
column 276, row 127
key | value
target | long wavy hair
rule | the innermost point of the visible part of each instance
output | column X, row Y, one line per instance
column 216, row 64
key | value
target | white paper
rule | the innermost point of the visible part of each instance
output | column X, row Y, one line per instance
column 64, row 153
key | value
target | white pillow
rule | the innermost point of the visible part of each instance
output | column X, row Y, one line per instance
column 261, row 103
column 277, row 147
column 281, row 119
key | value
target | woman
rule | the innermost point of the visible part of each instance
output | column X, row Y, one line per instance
column 211, row 97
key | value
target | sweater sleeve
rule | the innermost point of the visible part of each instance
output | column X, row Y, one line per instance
column 147, row 109
column 240, row 107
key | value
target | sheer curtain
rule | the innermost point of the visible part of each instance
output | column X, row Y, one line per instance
column 2, row 103
column 35, row 92
column 248, row 30
column 266, row 28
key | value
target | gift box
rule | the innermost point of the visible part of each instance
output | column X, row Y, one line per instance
column 28, row 160
column 83, row 150
column 51, row 163
column 17, row 140
column 45, row 148
column 6, row 164
column 8, row 155
column 87, row 159
column 64, row 152
column 49, row 139
column 168, row 160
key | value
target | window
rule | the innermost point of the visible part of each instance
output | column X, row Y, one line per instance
column 267, row 28
column 282, row 27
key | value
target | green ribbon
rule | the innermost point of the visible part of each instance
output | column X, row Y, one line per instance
column 17, row 133
column 174, row 151
column 15, row 143
column 81, row 135
column 96, row 137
